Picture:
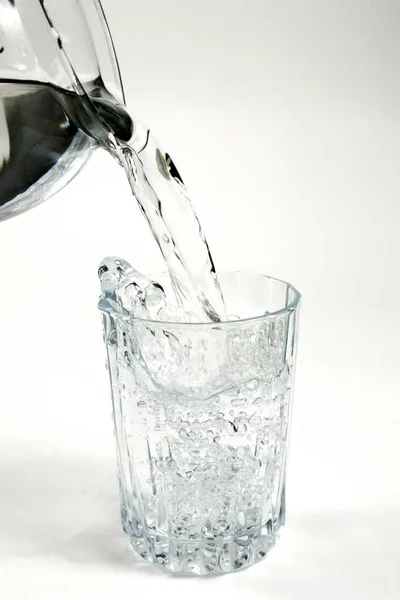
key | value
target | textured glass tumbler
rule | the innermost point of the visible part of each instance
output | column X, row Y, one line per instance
column 202, row 414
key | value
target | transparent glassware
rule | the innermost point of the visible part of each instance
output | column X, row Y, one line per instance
column 202, row 414
column 58, row 70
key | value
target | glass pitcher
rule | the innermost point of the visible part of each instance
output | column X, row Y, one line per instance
column 59, row 76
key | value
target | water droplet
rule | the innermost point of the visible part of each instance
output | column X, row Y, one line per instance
column 239, row 401
column 252, row 384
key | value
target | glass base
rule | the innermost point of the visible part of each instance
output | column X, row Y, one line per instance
column 205, row 556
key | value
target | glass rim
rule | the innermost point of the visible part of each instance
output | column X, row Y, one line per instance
column 290, row 307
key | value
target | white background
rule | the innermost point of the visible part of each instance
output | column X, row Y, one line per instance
column 283, row 118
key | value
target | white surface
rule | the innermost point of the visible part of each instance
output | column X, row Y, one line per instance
column 284, row 119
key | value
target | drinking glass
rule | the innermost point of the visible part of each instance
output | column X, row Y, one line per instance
column 202, row 414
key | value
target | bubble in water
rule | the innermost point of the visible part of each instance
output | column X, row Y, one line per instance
column 135, row 293
column 129, row 297
column 175, row 314
column 155, row 299
column 111, row 271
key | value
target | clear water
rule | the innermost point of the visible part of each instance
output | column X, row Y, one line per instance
column 166, row 205
column 38, row 124
column 35, row 132
column 159, row 189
